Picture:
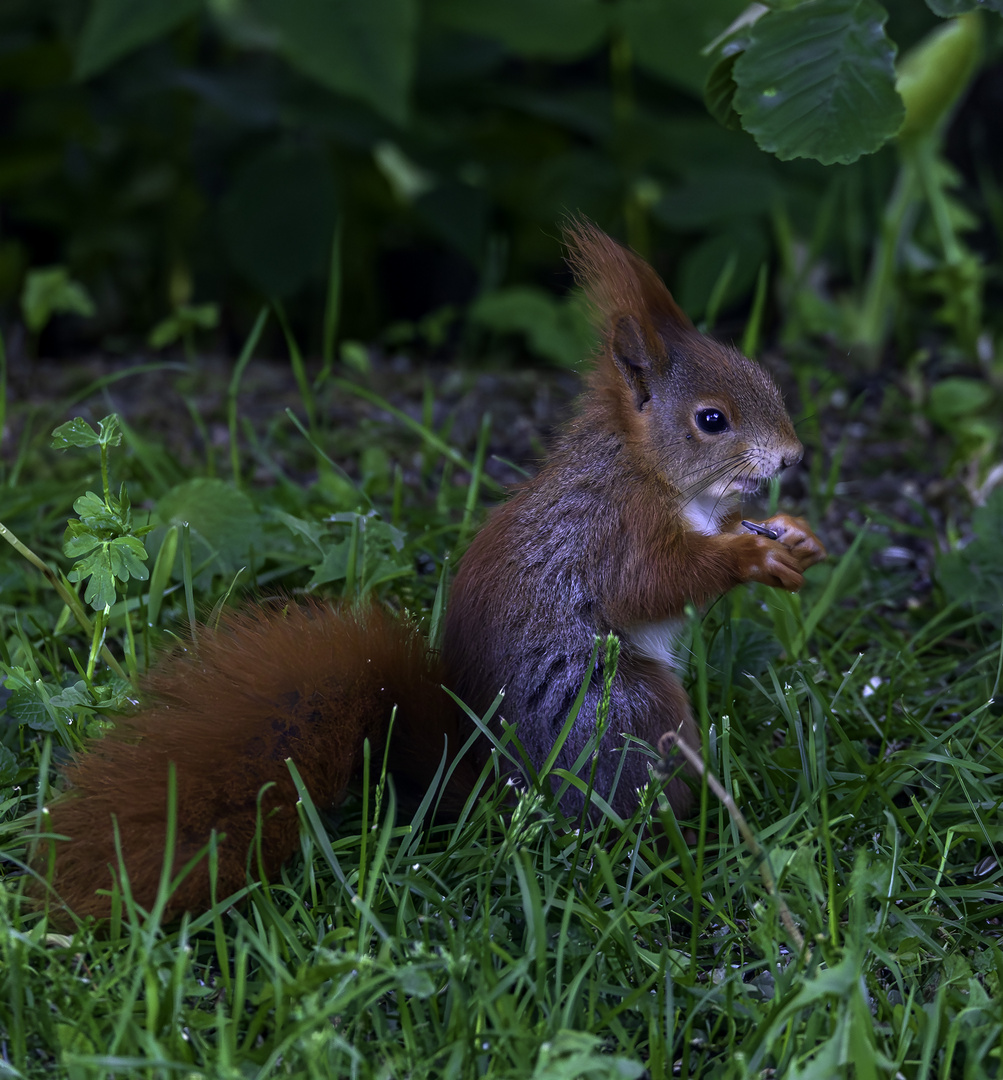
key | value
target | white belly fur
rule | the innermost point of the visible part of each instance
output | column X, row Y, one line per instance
column 703, row 514
column 657, row 640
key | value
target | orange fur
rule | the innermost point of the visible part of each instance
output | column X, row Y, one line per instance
column 303, row 681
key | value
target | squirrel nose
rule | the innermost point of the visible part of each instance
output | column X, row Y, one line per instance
column 792, row 456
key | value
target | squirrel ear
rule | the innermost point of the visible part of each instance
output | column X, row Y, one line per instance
column 618, row 282
column 629, row 352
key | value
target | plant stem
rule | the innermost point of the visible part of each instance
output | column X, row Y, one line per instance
column 332, row 309
column 69, row 598
column 671, row 739
column 872, row 322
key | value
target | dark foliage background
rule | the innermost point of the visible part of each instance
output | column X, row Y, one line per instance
column 370, row 165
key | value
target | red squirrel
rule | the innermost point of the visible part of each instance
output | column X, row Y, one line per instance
column 630, row 518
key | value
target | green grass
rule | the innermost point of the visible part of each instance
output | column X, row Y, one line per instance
column 862, row 747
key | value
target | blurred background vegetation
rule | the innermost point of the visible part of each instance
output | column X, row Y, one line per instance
column 398, row 169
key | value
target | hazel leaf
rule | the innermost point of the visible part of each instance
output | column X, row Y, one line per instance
column 818, row 81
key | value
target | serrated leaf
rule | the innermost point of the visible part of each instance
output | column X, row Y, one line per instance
column 72, row 697
column 818, row 81
column 117, row 27
column 83, row 568
column 95, row 514
column 78, row 540
column 333, row 566
column 313, row 531
column 75, row 432
column 364, row 51
column 96, row 569
column 719, row 92
column 25, row 707
column 109, row 432
column 101, row 593
column 126, row 561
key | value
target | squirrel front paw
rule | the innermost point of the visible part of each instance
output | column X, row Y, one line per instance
column 780, row 563
column 796, row 535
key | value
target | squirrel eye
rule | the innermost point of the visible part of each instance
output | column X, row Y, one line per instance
column 713, row 421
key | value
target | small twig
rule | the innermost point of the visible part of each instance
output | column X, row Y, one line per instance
column 665, row 744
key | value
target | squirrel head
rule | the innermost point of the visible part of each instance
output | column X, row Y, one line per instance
column 705, row 418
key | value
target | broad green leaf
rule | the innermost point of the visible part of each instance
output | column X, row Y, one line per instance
column 537, row 29
column 77, row 432
column 116, row 27
column 362, row 50
column 570, row 1055
column 957, row 396
column 278, row 218
column 416, row 981
column 224, row 522
column 73, row 697
column 818, row 81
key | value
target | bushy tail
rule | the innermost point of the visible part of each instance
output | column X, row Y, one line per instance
column 301, row 681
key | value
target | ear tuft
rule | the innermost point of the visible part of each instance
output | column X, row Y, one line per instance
column 618, row 282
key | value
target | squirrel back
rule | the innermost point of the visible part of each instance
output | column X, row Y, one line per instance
column 630, row 519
